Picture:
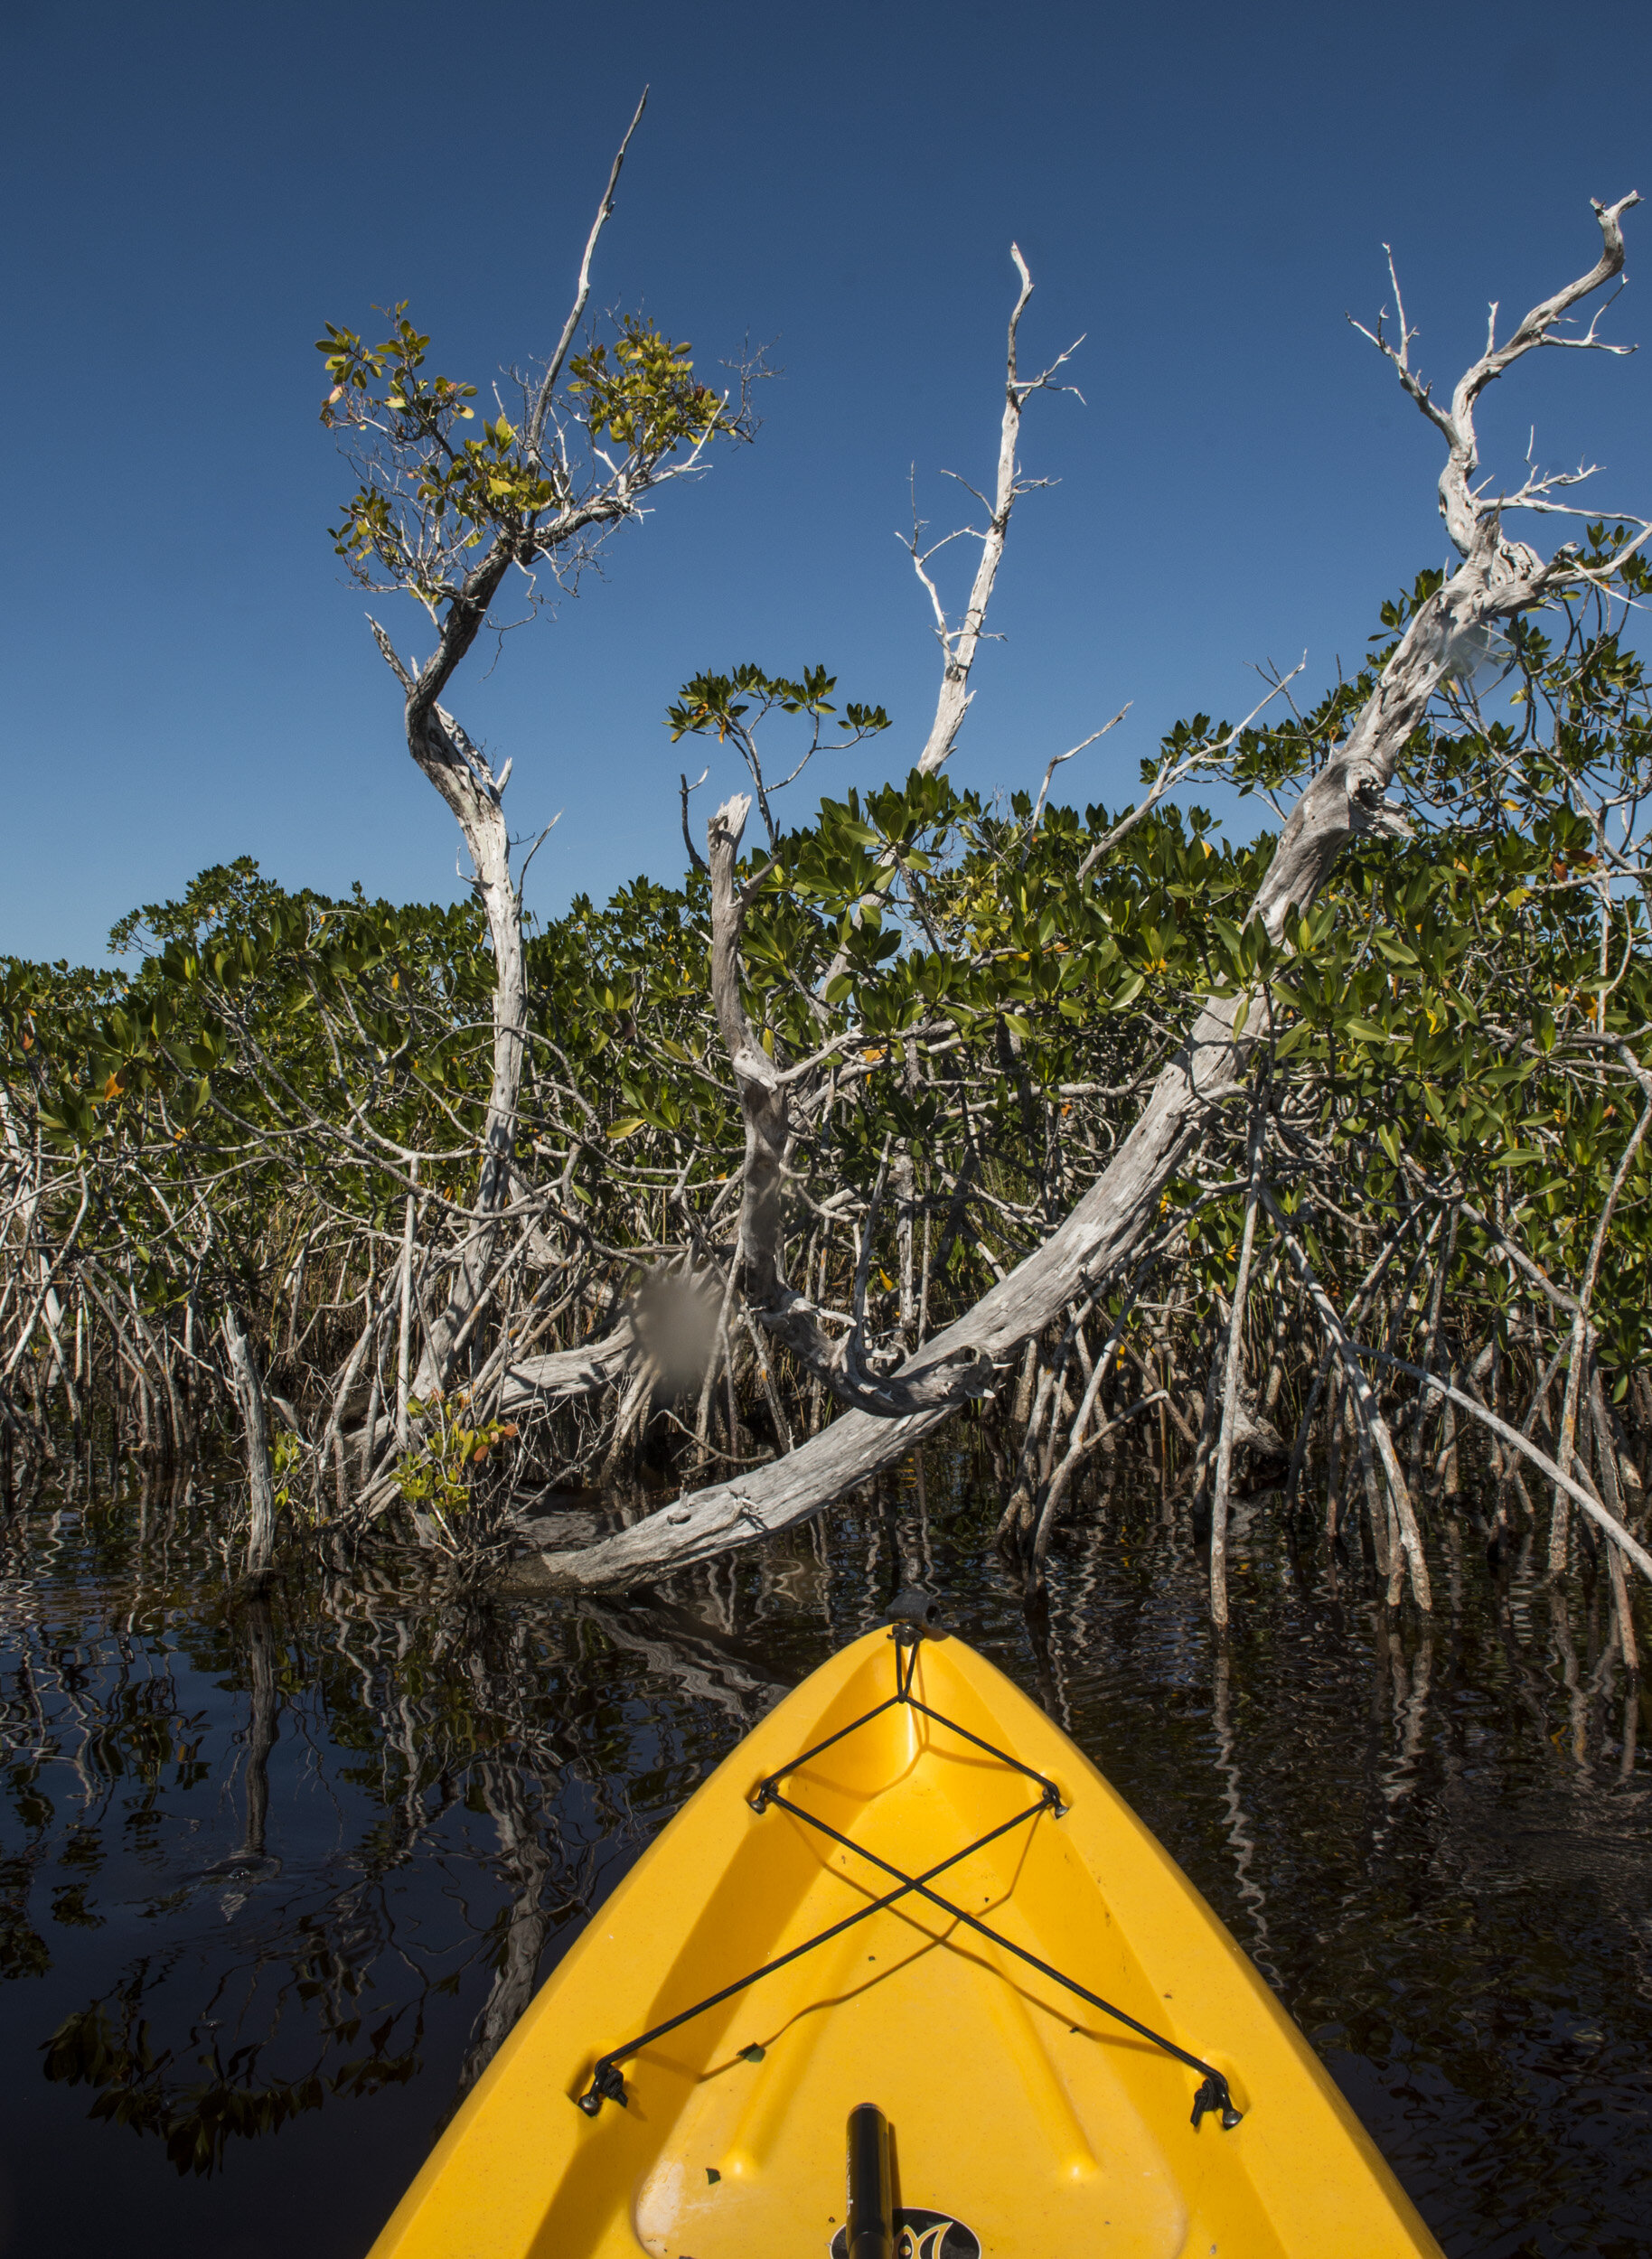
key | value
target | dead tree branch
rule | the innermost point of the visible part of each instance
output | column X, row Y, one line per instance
column 1496, row 581
column 960, row 644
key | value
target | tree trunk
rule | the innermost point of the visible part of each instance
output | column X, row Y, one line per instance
column 1344, row 800
column 1498, row 580
column 261, row 1480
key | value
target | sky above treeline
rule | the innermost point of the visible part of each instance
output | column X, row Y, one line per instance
column 1204, row 192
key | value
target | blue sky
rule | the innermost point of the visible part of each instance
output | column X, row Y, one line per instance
column 192, row 190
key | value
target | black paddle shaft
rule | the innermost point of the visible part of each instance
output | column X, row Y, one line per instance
column 871, row 2192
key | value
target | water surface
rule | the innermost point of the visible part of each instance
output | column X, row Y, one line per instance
column 277, row 1877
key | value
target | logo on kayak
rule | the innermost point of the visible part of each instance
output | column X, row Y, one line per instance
column 920, row 2234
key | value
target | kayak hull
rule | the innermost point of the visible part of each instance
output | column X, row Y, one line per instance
column 1031, row 2122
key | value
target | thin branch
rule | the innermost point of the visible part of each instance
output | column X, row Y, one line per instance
column 694, row 857
column 1082, row 746
column 541, row 406
column 1171, row 773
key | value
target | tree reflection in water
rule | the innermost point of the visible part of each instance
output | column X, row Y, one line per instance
column 145, row 1705
column 272, row 1859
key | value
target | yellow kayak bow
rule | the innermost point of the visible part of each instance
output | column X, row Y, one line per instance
column 907, row 1905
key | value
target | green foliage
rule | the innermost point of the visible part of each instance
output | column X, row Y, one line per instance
column 1436, row 1029
column 431, row 494
column 716, row 704
column 640, row 392
column 438, row 1476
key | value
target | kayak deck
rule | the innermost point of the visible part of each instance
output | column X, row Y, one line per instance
column 1019, row 2110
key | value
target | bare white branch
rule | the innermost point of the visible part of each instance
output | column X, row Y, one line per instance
column 548, row 385
column 1083, row 746
column 959, row 645
column 1173, row 772
column 1458, row 505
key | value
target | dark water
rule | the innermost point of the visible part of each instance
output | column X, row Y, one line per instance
column 274, row 1880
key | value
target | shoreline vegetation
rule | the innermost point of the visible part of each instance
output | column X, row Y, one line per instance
column 1316, row 1165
